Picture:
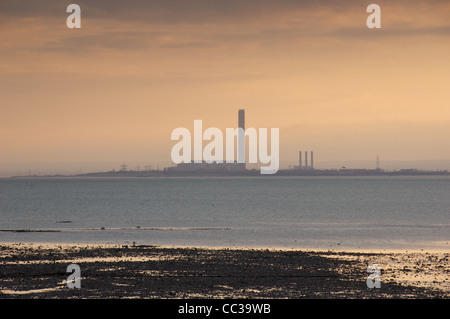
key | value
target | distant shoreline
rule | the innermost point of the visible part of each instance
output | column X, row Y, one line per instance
column 249, row 173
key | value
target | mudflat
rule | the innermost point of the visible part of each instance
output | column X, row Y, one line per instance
column 124, row 271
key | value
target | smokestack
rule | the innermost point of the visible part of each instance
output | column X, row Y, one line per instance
column 242, row 119
column 241, row 137
column 306, row 159
column 312, row 160
column 300, row 159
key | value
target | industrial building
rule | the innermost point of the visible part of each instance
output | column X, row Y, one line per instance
column 238, row 166
column 306, row 166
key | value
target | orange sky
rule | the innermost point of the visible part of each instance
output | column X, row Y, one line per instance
column 113, row 91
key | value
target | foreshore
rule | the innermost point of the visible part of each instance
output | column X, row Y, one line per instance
column 143, row 271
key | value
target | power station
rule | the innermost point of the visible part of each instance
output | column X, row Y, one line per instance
column 306, row 166
column 237, row 166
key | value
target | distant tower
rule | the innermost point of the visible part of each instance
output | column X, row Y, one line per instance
column 242, row 119
column 241, row 137
column 300, row 159
column 312, row 160
column 378, row 163
column 306, row 159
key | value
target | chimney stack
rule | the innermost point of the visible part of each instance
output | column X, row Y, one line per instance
column 242, row 119
column 300, row 159
column 241, row 137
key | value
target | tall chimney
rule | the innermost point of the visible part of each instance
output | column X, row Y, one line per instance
column 312, row 160
column 306, row 158
column 242, row 119
column 300, row 159
column 241, row 137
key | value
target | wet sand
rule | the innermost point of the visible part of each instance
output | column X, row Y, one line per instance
column 116, row 271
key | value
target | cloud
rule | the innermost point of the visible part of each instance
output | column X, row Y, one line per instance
column 203, row 24
column 109, row 40
column 170, row 11
column 186, row 32
column 389, row 32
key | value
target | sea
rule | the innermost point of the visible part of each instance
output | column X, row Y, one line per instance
column 355, row 213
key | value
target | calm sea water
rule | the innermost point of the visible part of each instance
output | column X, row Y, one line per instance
column 288, row 212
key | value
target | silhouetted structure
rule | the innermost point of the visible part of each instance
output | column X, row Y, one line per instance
column 306, row 166
column 214, row 167
column 300, row 159
column 241, row 138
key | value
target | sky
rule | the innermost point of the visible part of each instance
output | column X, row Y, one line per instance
column 77, row 100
